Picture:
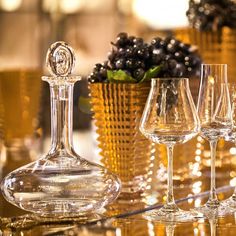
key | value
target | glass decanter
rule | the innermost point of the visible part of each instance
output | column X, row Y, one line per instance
column 61, row 182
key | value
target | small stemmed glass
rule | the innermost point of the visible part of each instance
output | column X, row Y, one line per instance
column 214, row 110
column 170, row 118
column 231, row 202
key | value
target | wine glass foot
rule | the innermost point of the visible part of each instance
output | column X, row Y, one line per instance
column 176, row 216
column 217, row 211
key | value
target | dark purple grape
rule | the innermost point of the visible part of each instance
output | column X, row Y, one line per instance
column 156, row 42
column 122, row 39
column 103, row 71
column 121, row 52
column 179, row 56
column 97, row 67
column 171, row 48
column 131, row 40
column 175, row 42
column 184, row 47
column 156, row 59
column 143, row 53
column 189, row 60
column 167, row 40
column 138, row 41
column 165, row 66
column 129, row 52
column 139, row 64
column 163, row 44
column 169, row 57
column 159, row 51
column 179, row 70
column 105, row 64
column 138, row 73
column 130, row 63
column 172, row 63
column 120, row 63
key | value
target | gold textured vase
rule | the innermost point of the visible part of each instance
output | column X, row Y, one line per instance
column 125, row 151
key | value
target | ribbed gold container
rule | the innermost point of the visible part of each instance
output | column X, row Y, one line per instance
column 125, row 151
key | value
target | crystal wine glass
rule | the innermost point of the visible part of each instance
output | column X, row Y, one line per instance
column 231, row 136
column 170, row 118
column 214, row 110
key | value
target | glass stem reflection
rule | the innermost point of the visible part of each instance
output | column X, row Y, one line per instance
column 170, row 202
column 213, row 201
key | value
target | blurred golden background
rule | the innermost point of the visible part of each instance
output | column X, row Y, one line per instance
column 29, row 27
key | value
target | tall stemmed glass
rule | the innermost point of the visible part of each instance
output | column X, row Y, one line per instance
column 231, row 202
column 170, row 118
column 214, row 110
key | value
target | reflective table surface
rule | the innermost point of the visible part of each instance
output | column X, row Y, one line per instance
column 127, row 217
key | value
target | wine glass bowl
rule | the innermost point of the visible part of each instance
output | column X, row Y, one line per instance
column 170, row 118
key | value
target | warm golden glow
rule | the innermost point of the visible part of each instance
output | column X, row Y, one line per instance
column 211, row 80
column 197, row 202
column 233, row 182
column 232, row 150
column 10, row 5
column 71, row 6
column 161, row 14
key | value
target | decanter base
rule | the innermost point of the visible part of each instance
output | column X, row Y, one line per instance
column 66, row 185
column 62, row 208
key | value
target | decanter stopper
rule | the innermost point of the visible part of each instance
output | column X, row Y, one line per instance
column 60, row 59
column 61, row 182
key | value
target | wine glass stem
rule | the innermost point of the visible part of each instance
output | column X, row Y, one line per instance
column 170, row 195
column 213, row 197
column 213, row 223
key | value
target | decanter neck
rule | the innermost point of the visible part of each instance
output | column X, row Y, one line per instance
column 61, row 117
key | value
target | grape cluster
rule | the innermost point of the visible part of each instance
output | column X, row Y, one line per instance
column 211, row 15
column 133, row 56
column 177, row 59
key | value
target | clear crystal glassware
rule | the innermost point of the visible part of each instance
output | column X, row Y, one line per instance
column 170, row 118
column 214, row 110
column 231, row 136
column 61, row 182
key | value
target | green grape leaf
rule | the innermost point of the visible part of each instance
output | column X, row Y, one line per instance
column 151, row 73
column 119, row 76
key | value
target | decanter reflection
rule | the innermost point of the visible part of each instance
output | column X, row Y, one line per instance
column 61, row 182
